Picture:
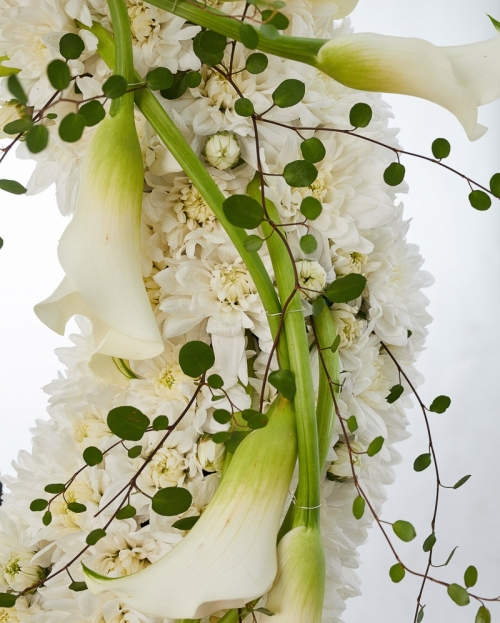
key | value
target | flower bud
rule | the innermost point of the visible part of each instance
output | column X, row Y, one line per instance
column 222, row 150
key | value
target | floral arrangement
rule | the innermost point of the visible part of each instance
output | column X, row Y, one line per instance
column 164, row 485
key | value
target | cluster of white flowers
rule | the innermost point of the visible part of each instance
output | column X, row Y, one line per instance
column 200, row 289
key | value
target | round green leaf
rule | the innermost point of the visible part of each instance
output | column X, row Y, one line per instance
column 47, row 518
column 300, row 173
column 269, row 31
column 480, row 200
column 18, row 126
column 311, row 208
column 192, row 79
column 308, row 244
column 249, row 36
column 71, row 127
column 459, row 595
column 470, row 576
column 243, row 211
column 37, row 139
column 441, row 148
column 92, row 112
column 397, row 572
column 318, row 306
column 440, row 404
column 358, row 507
column 95, row 535
column 16, row 89
column 186, row 523
column 212, row 42
column 222, row 416
column 256, row 63
column 375, row 446
column 134, row 452
column 278, row 20
column 313, row 149
column 258, row 421
column 51, row 115
column 127, row 423
column 396, row 392
column 236, row 438
column 127, row 512
column 7, row 600
column 58, row 487
column 215, row 381
column 352, row 424
column 495, row 185
column 115, row 87
column 177, row 90
column 38, row 505
column 71, row 46
column 345, row 289
column 92, row 456
column 13, row 187
column 253, row 243
column 58, row 74
column 289, row 93
column 483, row 615
column 171, row 501
column 284, row 382
column 208, row 56
column 422, row 462
column 429, row 542
column 404, row 530
column 77, row 586
column 244, row 107
column 221, row 437
column 195, row 358
column 76, row 507
column 248, row 414
column 394, row 174
column 160, row 422
column 360, row 115
column 159, row 78
column 461, row 482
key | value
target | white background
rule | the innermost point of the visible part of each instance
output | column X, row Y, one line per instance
column 462, row 250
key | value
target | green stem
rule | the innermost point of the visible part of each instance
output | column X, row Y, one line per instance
column 197, row 173
column 124, row 61
column 308, row 492
column 294, row 48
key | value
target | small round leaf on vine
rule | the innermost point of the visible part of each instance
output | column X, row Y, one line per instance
column 395, row 393
column 77, row 586
column 441, row 148
column 249, row 36
column 58, row 74
column 404, row 530
column 422, row 462
column 134, row 452
column 37, row 139
column 284, row 382
column 300, row 173
column 243, row 211
column 76, row 507
column 171, row 501
column 311, row 208
column 429, row 542
column 483, row 615
column 95, row 536
column 258, row 421
column 47, row 518
column 57, row 487
column 7, row 600
column 458, row 594
column 71, row 46
column 178, row 88
column 289, row 93
column 335, row 344
column 159, row 79
column 375, row 446
column 221, row 437
column 279, row 20
column 186, row 523
column 16, row 89
column 461, row 482
column 313, row 149
column 128, row 423
column 38, row 505
column 394, row 174
column 269, row 31
column 470, row 576
column 114, row 87
column 71, row 127
column 92, row 112
column 440, row 404
column 480, row 200
column 495, row 185
column 345, row 289
column 352, row 424
column 215, row 381
column 212, row 42
column 318, row 306
column 18, row 126
column 192, row 79
column 308, row 244
column 253, row 243
column 244, row 107
column 358, row 507
column 13, row 187
column 92, row 456
column 256, row 63
column 195, row 358
column 127, row 512
column 397, row 572
column 360, row 115
column 222, row 416
column 160, row 422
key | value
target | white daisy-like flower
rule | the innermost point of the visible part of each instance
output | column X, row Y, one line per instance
column 341, row 468
column 347, row 326
column 222, row 150
column 312, row 277
column 16, row 570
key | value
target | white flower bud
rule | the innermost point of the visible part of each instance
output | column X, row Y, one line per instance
column 222, row 150
column 211, row 455
column 341, row 469
column 312, row 276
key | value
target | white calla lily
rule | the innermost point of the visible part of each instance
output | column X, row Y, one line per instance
column 298, row 591
column 459, row 78
column 234, row 542
column 100, row 249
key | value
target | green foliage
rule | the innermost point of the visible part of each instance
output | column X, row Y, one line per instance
column 37, row 139
column 134, row 452
column 215, row 381
column 222, row 416
column 38, row 505
column 289, row 93
column 300, row 173
column 13, row 187
column 461, row 482
column 221, row 437
column 308, row 244
column 440, row 404
column 253, row 243
column 76, row 507
column 178, row 88
column 71, row 127
column 352, row 424
column 458, row 594
column 318, row 306
column 375, row 446
column 345, row 289
column 160, row 422
column 450, row 556
column 77, row 586
column 360, row 115
column 7, row 600
column 496, row 24
column 422, row 462
column 95, row 535
column 237, row 437
column 495, row 185
column 397, row 572
column 256, row 63
column 249, row 36
column 441, row 148
column 128, row 423
column 243, row 211
column 480, row 200
column 195, row 358
column 248, row 414
column 127, row 512
column 71, row 46
column 335, row 344
column 192, row 79
column 313, row 149
column 395, row 393
column 244, row 107
column 278, row 20
column 311, row 208
column 159, row 79
column 284, row 382
column 269, row 31
column 58, row 487
column 470, row 576
column 265, row 611
column 358, row 507
column 114, row 87
column 404, row 530
column 58, row 74
column 394, row 174
column 92, row 112
column 483, row 614
column 16, row 89
column 171, row 501
column 186, row 523
column 258, row 421
column 420, row 615
column 47, row 518
column 429, row 542
column 92, row 456
column 209, row 47
column 18, row 126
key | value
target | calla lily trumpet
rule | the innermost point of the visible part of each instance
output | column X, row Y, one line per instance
column 234, row 542
column 459, row 78
column 100, row 249
column 298, row 591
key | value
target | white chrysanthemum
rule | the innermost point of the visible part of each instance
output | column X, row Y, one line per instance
column 312, row 277
column 16, row 570
column 222, row 150
column 341, row 468
column 347, row 326
column 210, row 455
